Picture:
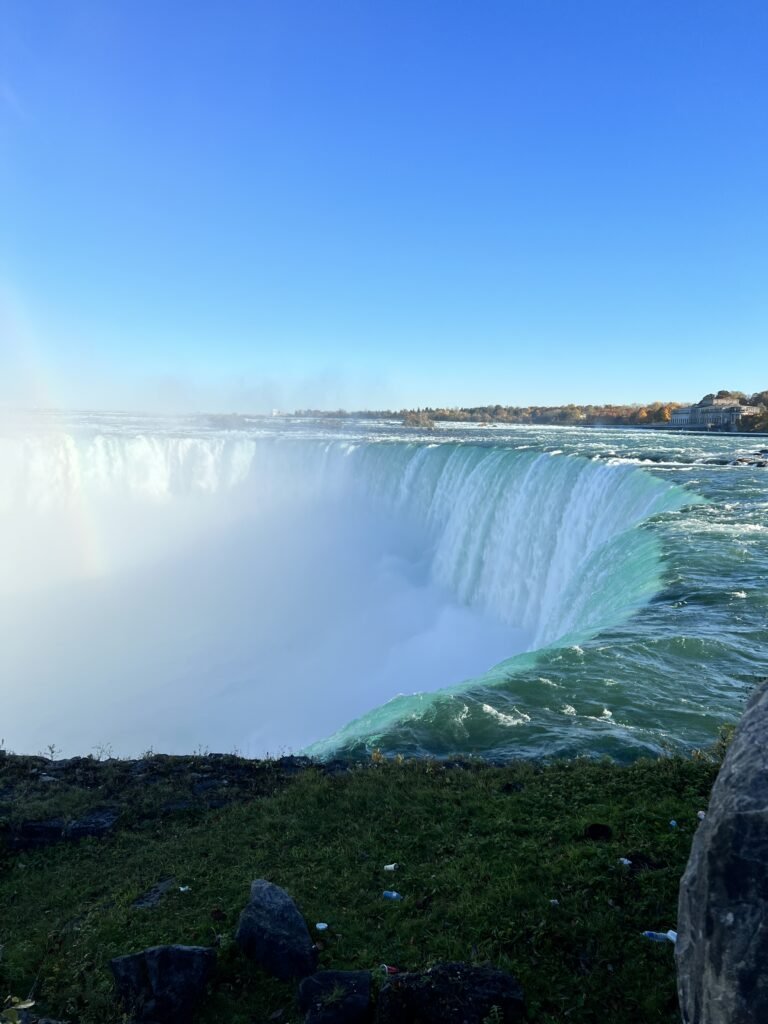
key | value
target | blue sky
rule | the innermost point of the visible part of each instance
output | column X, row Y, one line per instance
column 241, row 205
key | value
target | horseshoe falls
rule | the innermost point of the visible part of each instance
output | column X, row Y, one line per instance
column 332, row 587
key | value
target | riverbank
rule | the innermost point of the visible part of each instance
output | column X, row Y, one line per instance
column 496, row 864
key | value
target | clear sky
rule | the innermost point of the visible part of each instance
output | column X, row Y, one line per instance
column 237, row 205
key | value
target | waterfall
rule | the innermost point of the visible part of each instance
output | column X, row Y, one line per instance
column 324, row 576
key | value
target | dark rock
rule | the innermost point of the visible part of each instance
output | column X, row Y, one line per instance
column 33, row 835
column 96, row 823
column 722, row 941
column 292, row 765
column 273, row 933
column 336, row 767
column 154, row 895
column 598, row 832
column 336, row 997
column 451, row 993
column 164, row 984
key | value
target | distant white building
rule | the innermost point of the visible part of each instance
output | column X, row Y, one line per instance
column 713, row 414
column 681, row 416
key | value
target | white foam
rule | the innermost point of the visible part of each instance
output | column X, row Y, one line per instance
column 519, row 718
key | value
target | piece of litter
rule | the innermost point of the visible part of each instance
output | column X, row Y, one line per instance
column 389, row 969
column 670, row 936
column 554, row 903
column 673, row 823
column 390, row 867
column 701, row 815
column 625, row 861
column 321, row 926
column 185, row 888
column 390, row 894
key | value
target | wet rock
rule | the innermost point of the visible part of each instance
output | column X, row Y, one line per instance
column 163, row 984
column 273, row 933
column 336, row 997
column 722, row 937
column 451, row 993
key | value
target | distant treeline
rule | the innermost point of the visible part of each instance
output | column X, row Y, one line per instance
column 584, row 415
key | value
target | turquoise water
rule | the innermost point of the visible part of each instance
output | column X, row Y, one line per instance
column 683, row 604
column 339, row 586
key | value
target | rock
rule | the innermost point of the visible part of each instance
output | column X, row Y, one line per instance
column 451, row 993
column 336, row 997
column 273, row 933
column 336, row 767
column 154, row 895
column 163, row 984
column 722, row 930
column 292, row 765
column 32, row 835
column 95, row 823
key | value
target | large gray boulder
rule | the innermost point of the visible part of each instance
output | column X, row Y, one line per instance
column 722, row 923
column 273, row 933
column 163, row 984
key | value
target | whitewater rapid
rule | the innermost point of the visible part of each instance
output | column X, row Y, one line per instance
column 282, row 587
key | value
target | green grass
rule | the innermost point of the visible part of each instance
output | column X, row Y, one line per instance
column 482, row 851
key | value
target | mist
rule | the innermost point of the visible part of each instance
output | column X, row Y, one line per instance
column 169, row 584
column 258, row 612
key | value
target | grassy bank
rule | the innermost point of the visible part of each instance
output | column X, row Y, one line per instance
column 483, row 853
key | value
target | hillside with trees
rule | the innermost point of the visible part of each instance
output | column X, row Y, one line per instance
column 650, row 415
